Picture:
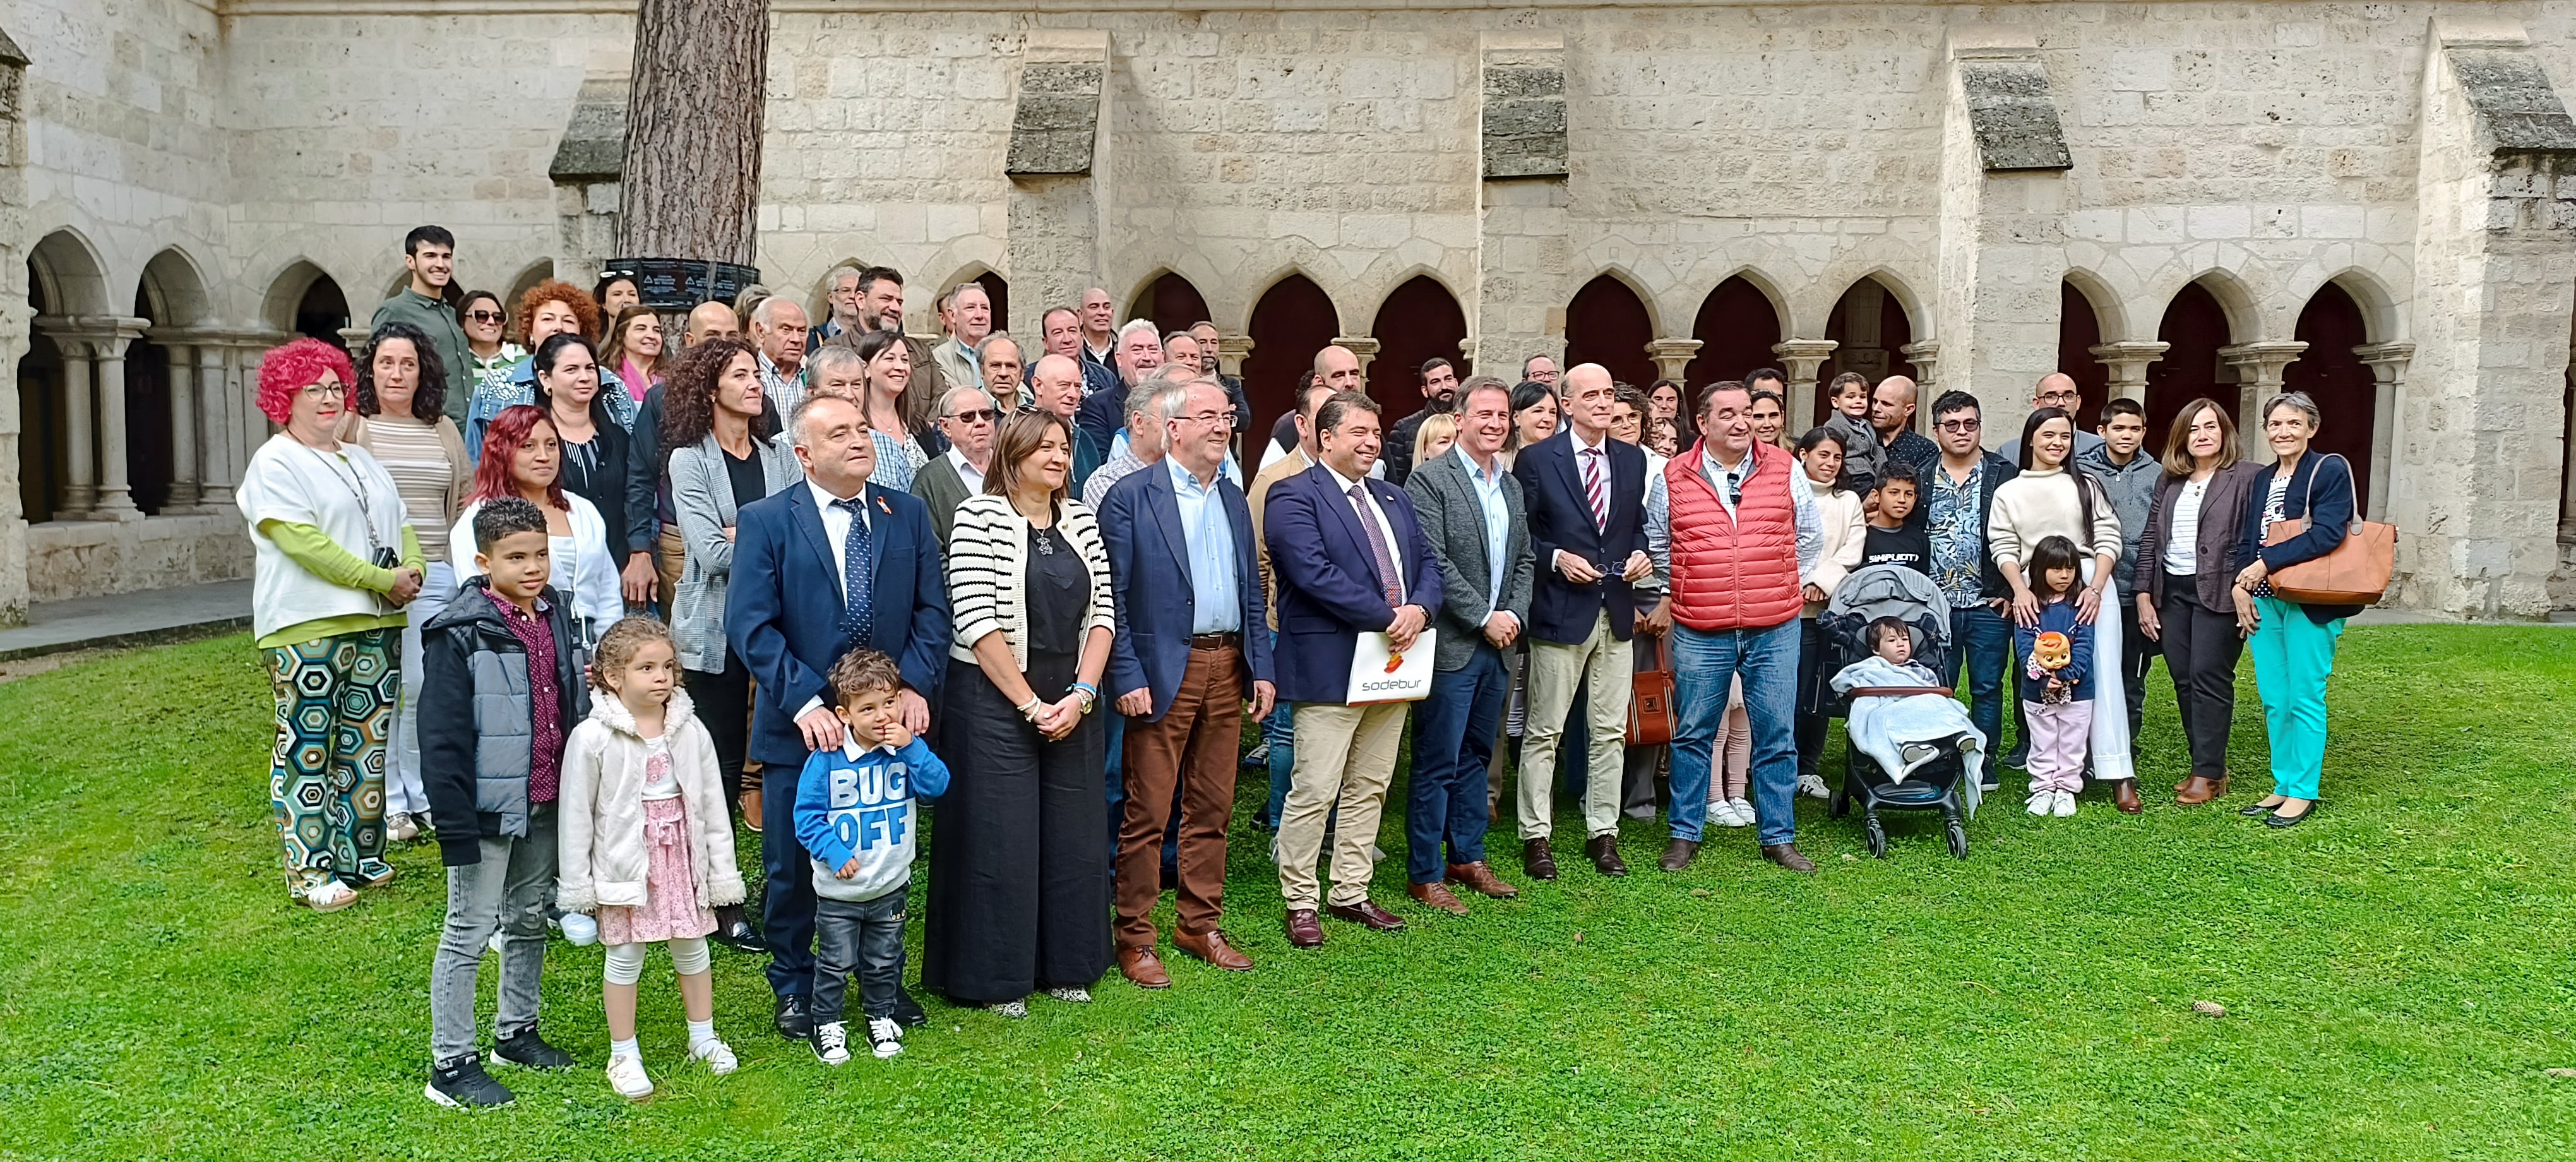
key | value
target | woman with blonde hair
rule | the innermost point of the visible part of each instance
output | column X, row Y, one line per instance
column 1434, row 437
column 2185, row 564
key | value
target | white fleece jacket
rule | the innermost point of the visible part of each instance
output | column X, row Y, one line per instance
column 2040, row 504
column 600, row 849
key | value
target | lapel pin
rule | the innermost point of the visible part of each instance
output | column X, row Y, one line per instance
column 883, row 507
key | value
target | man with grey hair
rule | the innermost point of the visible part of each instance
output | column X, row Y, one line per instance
column 968, row 316
column 1055, row 385
column 837, row 370
column 778, row 329
column 1148, row 405
column 968, row 418
column 841, row 298
column 1139, row 352
column 998, row 358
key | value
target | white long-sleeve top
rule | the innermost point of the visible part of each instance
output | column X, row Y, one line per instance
column 2041, row 503
column 1846, row 531
column 579, row 565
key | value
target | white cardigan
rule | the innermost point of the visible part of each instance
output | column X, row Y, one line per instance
column 1838, row 510
column 988, row 564
column 2039, row 504
column 587, row 574
column 599, row 841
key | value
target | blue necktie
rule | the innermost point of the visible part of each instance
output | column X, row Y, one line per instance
column 856, row 590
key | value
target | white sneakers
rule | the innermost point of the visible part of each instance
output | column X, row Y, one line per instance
column 1813, row 786
column 626, row 1076
column 1730, row 812
column 718, row 1056
column 1071, row 996
column 2042, row 802
column 832, row 1043
column 2065, row 805
column 400, row 827
column 2058, row 803
column 885, row 1038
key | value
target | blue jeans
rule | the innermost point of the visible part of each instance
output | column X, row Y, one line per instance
column 1113, row 736
column 1704, row 665
column 1981, row 640
column 1453, row 743
column 1280, row 731
column 864, row 937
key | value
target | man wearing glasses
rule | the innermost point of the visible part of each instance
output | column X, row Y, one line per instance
column 2056, row 390
column 968, row 418
column 1959, row 494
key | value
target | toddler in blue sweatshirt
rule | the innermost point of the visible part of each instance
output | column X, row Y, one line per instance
column 854, row 814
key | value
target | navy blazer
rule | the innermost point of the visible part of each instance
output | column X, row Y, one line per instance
column 2326, row 478
column 783, row 608
column 1328, row 587
column 1149, row 579
column 1560, row 517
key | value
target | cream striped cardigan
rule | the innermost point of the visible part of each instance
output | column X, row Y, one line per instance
column 988, row 570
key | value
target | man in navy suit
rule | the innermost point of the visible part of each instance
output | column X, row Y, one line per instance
column 1191, row 649
column 1587, row 502
column 818, row 570
column 1350, row 559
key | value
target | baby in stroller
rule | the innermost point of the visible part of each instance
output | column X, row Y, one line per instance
column 1901, row 715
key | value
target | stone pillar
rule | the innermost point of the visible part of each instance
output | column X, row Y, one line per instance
column 1232, row 348
column 2002, row 224
column 1056, row 167
column 1926, row 358
column 2258, row 377
column 109, row 337
column 2387, row 363
column 2128, row 363
column 1671, row 356
column 183, row 425
column 1524, row 249
column 1800, row 358
column 219, row 466
column 15, row 238
column 80, row 449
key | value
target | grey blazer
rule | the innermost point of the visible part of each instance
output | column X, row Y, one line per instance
column 938, row 485
column 702, row 498
column 1444, row 499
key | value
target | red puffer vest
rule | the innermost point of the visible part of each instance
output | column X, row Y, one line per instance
column 1737, row 572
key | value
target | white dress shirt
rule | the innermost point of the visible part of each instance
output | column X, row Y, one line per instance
column 1368, row 509
column 972, row 475
column 836, row 533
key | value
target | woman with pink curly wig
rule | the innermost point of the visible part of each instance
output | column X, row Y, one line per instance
column 336, row 563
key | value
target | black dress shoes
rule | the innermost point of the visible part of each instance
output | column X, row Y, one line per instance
column 1537, row 860
column 792, row 1021
column 1604, row 852
column 907, row 1011
column 1678, row 854
column 734, row 931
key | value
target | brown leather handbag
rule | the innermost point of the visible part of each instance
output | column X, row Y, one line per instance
column 1650, row 702
column 2355, row 573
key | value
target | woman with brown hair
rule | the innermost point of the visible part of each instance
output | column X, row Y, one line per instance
column 634, row 350
column 1019, row 876
column 2185, row 559
column 548, row 309
column 876, row 373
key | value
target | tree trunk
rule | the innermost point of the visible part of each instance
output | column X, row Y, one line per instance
column 691, row 184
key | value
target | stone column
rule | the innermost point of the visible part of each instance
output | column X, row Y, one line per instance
column 2387, row 363
column 108, row 339
column 355, row 340
column 1671, row 357
column 80, row 463
column 1231, row 350
column 1800, row 358
column 1926, row 358
column 220, row 465
column 184, row 461
column 2258, row 376
column 2128, row 363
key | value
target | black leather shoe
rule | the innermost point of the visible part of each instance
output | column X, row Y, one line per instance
column 1604, row 851
column 2257, row 811
column 792, row 1021
column 734, row 931
column 1537, row 860
column 2279, row 820
column 907, row 1011
column 1678, row 854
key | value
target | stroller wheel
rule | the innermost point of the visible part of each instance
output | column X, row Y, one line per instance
column 1876, row 832
column 1958, row 838
column 1842, row 800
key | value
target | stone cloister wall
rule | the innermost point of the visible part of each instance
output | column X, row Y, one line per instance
column 2258, row 149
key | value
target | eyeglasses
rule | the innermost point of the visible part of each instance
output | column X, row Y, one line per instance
column 1958, row 425
column 485, row 316
column 978, row 416
column 2057, row 399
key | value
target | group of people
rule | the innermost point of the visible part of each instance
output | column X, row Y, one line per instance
column 582, row 604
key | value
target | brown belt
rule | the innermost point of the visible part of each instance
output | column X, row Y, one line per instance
column 1217, row 641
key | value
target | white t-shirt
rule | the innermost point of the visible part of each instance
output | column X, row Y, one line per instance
column 659, row 783
column 2182, row 548
column 348, row 495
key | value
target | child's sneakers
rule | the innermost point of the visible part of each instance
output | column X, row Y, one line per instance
column 832, row 1043
column 529, row 1051
column 2065, row 805
column 2042, row 802
column 885, row 1037
column 461, row 1084
column 1744, row 816
column 626, row 1076
column 718, row 1056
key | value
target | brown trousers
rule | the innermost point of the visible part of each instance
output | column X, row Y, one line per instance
column 1196, row 745
column 673, row 554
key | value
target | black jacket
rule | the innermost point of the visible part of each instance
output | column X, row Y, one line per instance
column 476, row 728
column 603, row 483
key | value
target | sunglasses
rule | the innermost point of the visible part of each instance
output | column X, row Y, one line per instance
column 485, row 316
column 1958, row 425
column 978, row 416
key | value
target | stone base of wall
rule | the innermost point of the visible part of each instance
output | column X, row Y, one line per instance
column 2562, row 581
column 93, row 558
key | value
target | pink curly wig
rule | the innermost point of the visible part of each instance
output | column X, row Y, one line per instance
column 289, row 369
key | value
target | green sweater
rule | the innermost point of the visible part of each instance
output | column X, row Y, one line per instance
column 324, row 558
column 445, row 333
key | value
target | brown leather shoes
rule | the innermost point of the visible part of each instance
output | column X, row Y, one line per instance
column 751, row 809
column 2124, row 795
column 1537, row 860
column 2197, row 790
column 1786, row 855
column 1678, row 854
column 1304, row 931
column 1211, row 947
column 1434, row 895
column 1604, row 852
column 1480, row 879
column 1140, row 965
column 1366, row 914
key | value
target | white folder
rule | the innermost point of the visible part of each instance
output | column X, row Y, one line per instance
column 1379, row 674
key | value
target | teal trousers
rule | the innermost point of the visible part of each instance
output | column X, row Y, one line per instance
column 2293, row 657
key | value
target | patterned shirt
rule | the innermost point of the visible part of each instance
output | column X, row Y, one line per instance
column 1913, row 448
column 545, row 701
column 1958, row 534
column 785, row 390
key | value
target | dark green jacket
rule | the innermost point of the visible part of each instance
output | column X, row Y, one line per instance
column 437, row 321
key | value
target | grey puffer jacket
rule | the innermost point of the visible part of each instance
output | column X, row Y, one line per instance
column 476, row 727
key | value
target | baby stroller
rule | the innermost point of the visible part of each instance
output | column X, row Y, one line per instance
column 1943, row 783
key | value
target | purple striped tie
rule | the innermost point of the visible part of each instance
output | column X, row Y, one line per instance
column 1592, row 488
column 1378, row 549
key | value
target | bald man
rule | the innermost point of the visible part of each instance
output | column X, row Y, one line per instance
column 2056, row 390
column 710, row 321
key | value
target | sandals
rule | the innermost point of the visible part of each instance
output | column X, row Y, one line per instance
column 330, row 895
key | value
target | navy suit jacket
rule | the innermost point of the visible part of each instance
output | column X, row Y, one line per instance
column 1149, row 577
column 1560, row 517
column 2325, row 479
column 783, row 608
column 1328, row 586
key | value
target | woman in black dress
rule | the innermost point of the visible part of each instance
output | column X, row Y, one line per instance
column 1019, row 880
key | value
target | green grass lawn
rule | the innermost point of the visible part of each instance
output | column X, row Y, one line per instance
column 2395, row 975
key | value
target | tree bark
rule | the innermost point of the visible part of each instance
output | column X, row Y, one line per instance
column 691, row 183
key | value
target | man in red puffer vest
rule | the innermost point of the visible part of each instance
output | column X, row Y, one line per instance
column 1733, row 531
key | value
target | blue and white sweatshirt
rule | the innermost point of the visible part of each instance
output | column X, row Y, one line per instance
column 858, row 803
column 2078, row 674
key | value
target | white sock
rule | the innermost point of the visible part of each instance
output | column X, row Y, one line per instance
column 625, row 1048
column 701, row 1033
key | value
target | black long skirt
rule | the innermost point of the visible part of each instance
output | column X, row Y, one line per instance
column 1019, row 879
